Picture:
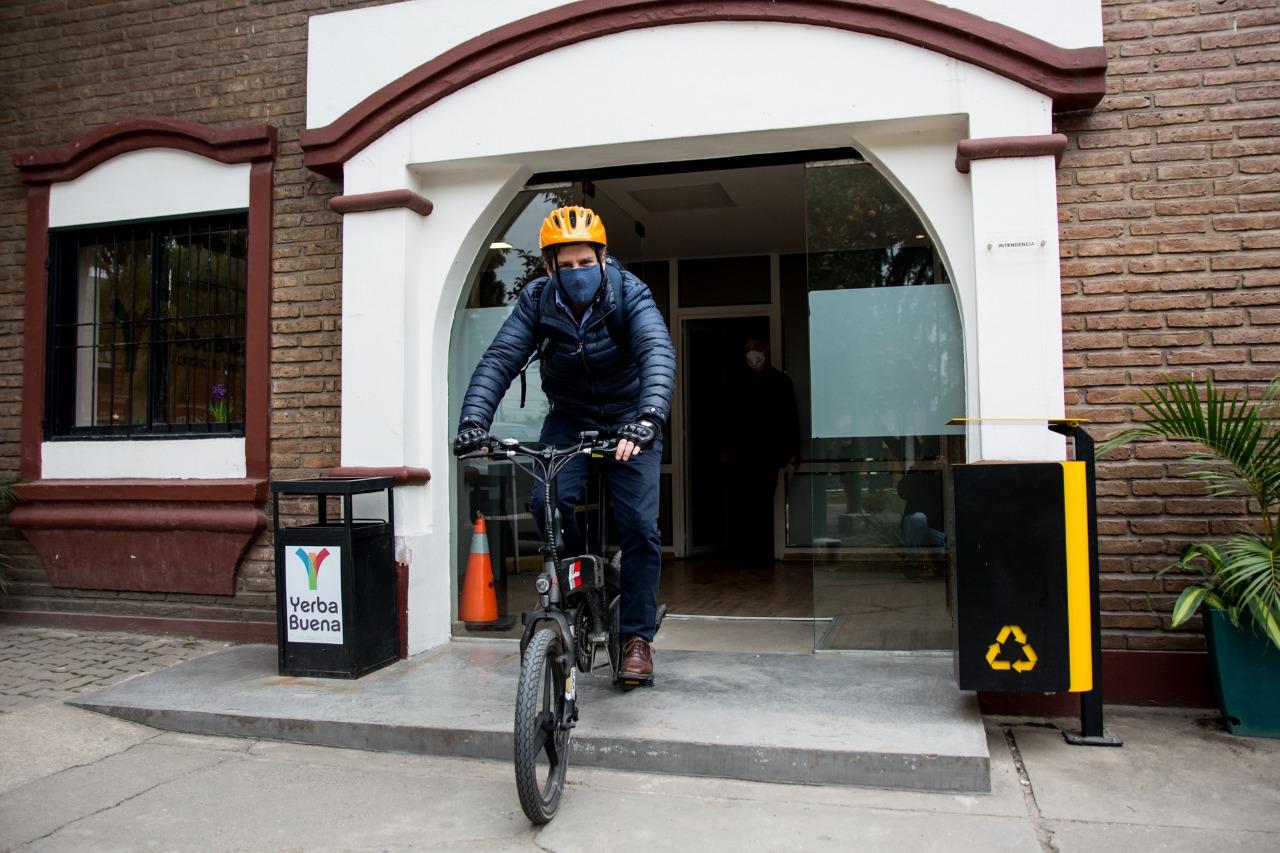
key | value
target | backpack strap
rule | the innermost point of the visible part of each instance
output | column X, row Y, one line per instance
column 540, row 342
column 616, row 320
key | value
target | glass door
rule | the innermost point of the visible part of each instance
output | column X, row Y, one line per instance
column 873, row 314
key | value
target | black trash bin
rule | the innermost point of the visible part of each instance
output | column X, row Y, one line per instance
column 1023, row 622
column 335, row 582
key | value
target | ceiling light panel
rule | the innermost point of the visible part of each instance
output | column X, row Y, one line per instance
column 693, row 197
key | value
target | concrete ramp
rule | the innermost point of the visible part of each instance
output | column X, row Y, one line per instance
column 884, row 721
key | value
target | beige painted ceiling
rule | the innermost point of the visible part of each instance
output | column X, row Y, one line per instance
column 704, row 214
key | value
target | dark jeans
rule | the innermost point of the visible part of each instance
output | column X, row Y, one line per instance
column 633, row 486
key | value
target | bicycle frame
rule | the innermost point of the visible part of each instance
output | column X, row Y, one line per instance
column 549, row 461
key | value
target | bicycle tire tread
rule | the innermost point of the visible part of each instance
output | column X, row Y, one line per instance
column 537, row 657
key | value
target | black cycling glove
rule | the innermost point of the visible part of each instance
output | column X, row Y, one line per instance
column 470, row 437
column 641, row 433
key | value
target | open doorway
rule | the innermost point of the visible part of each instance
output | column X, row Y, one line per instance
column 829, row 267
column 712, row 378
column 731, row 567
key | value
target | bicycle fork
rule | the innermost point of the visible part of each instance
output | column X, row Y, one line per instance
column 549, row 611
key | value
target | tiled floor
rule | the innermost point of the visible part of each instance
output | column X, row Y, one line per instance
column 47, row 663
column 852, row 605
column 882, row 609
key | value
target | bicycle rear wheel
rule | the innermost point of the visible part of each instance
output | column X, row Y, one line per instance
column 541, row 746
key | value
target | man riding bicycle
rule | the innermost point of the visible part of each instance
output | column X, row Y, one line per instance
column 607, row 364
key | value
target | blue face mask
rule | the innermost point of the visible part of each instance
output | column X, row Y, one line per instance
column 580, row 285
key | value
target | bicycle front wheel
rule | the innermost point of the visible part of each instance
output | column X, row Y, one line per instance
column 541, row 746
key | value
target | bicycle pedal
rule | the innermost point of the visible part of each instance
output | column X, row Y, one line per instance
column 628, row 684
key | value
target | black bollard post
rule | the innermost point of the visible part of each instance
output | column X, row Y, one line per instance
column 1091, row 731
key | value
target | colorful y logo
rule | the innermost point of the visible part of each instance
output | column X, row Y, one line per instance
column 311, row 562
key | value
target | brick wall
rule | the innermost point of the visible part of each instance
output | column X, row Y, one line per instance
column 67, row 66
column 1169, row 204
column 1170, row 211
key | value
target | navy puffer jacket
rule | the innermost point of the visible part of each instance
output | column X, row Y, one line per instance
column 593, row 377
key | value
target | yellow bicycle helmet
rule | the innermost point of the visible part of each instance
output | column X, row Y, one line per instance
column 571, row 225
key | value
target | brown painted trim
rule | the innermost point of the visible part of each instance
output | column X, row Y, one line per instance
column 1170, row 679
column 146, row 546
column 72, row 159
column 176, row 535
column 255, row 144
column 1073, row 78
column 206, row 629
column 224, row 517
column 404, row 476
column 248, row 490
column 993, row 147
column 257, row 380
column 388, row 200
column 33, row 330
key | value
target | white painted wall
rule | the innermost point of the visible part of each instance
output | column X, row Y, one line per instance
column 719, row 88
column 401, row 36
column 402, row 277
column 192, row 458
column 151, row 182
column 1066, row 23
column 378, row 45
column 1018, row 366
column 470, row 153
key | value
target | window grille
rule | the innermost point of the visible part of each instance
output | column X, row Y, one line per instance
column 147, row 328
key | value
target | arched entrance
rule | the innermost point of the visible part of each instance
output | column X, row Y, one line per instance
column 470, row 141
column 823, row 262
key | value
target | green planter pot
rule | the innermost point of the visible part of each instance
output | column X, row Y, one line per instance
column 1245, row 668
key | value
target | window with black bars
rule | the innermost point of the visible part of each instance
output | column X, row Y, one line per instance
column 147, row 325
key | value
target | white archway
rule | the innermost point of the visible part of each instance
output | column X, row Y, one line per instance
column 903, row 107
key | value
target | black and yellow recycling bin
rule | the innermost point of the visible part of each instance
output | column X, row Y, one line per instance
column 1023, row 619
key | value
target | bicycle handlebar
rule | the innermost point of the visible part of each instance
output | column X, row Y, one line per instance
column 506, row 448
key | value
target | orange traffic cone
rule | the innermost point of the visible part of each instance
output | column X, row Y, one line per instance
column 479, row 600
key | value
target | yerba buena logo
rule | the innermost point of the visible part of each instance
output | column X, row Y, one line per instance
column 313, row 613
column 311, row 561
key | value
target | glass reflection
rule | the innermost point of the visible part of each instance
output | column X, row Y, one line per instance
column 883, row 371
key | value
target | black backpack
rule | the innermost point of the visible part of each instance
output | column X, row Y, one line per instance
column 615, row 321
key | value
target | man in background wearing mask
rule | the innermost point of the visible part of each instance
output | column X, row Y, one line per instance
column 614, row 374
column 762, row 436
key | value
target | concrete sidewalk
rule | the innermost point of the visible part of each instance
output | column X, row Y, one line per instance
column 882, row 722
column 71, row 779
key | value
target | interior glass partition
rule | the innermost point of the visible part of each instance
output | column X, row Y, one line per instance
column 870, row 312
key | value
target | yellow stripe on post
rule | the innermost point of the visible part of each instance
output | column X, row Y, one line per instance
column 1079, row 629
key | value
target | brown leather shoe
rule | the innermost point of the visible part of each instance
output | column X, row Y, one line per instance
column 637, row 660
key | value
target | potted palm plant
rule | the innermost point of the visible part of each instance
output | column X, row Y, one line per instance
column 1237, row 580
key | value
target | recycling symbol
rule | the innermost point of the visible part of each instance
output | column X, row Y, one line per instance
column 1025, row 663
